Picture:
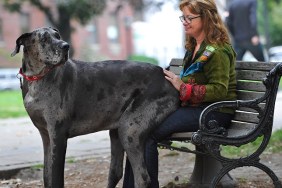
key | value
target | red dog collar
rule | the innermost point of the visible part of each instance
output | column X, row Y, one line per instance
column 39, row 76
column 31, row 78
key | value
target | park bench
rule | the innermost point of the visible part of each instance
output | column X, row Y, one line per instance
column 257, row 86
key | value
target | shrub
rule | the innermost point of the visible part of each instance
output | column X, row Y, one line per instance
column 143, row 58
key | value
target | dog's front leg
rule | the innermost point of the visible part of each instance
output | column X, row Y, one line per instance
column 54, row 144
column 117, row 153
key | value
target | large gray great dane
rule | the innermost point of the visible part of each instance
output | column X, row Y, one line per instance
column 66, row 98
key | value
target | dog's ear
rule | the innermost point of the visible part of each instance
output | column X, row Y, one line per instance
column 19, row 42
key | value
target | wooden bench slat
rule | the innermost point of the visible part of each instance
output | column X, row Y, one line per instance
column 179, row 136
column 246, row 95
column 176, row 62
column 250, row 75
column 238, row 128
column 175, row 70
column 261, row 66
column 250, row 117
column 250, row 86
column 261, row 105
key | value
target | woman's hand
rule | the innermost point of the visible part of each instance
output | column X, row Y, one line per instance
column 174, row 79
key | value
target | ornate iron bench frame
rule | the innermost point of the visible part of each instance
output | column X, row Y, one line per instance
column 257, row 87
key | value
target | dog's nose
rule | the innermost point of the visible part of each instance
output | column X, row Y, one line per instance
column 65, row 46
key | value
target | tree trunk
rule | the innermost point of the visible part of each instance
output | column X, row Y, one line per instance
column 64, row 26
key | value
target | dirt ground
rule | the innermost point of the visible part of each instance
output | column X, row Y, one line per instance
column 175, row 170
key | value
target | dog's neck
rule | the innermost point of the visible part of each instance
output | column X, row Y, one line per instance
column 34, row 73
column 35, row 77
column 32, row 69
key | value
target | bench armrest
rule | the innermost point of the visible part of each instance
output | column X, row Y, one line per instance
column 213, row 127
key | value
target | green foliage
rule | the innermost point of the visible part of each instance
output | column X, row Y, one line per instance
column 82, row 10
column 143, row 58
column 37, row 167
column 13, row 7
column 274, row 146
column 11, row 104
column 274, row 20
column 275, row 27
column 275, row 143
column 70, row 160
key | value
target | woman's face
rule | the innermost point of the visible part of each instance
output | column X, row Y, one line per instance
column 193, row 26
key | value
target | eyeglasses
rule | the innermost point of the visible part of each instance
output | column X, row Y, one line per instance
column 188, row 19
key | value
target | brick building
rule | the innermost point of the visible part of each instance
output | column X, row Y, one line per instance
column 108, row 36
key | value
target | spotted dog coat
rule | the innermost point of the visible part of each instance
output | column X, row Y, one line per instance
column 66, row 98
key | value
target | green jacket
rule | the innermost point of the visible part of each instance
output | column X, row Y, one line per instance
column 212, row 74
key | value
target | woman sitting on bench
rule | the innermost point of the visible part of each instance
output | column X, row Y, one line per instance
column 208, row 76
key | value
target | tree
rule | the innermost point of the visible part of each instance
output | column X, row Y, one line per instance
column 270, row 24
column 80, row 10
column 66, row 10
column 275, row 26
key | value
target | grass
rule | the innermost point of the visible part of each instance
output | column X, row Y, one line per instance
column 37, row 167
column 274, row 146
column 11, row 104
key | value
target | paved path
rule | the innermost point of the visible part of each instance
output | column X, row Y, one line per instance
column 21, row 144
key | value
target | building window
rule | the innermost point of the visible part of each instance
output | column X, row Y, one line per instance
column 93, row 32
column 112, row 30
column 25, row 22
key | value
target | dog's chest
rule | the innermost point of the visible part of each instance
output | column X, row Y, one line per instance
column 33, row 104
column 37, row 98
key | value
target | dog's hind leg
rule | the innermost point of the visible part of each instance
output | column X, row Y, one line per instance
column 117, row 153
column 54, row 158
column 134, row 146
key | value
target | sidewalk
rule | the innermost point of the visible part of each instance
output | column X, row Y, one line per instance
column 21, row 144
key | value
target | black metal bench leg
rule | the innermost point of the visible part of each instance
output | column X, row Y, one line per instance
column 205, row 169
column 276, row 182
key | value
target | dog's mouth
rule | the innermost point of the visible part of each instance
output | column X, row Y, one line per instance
column 54, row 62
column 65, row 50
column 66, row 56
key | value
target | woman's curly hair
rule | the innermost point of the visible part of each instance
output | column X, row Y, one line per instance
column 214, row 28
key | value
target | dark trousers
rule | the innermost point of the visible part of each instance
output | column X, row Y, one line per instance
column 241, row 48
column 185, row 119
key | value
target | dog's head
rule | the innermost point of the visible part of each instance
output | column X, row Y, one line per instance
column 42, row 47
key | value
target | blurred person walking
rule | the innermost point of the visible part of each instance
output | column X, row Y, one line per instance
column 242, row 24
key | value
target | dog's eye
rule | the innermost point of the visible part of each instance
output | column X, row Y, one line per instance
column 57, row 36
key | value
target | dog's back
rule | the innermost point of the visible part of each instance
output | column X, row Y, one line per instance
column 113, row 87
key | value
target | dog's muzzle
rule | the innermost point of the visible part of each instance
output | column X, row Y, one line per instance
column 64, row 46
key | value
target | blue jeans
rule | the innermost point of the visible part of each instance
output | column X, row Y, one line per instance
column 185, row 119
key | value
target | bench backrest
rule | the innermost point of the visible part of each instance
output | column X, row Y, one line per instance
column 249, row 86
